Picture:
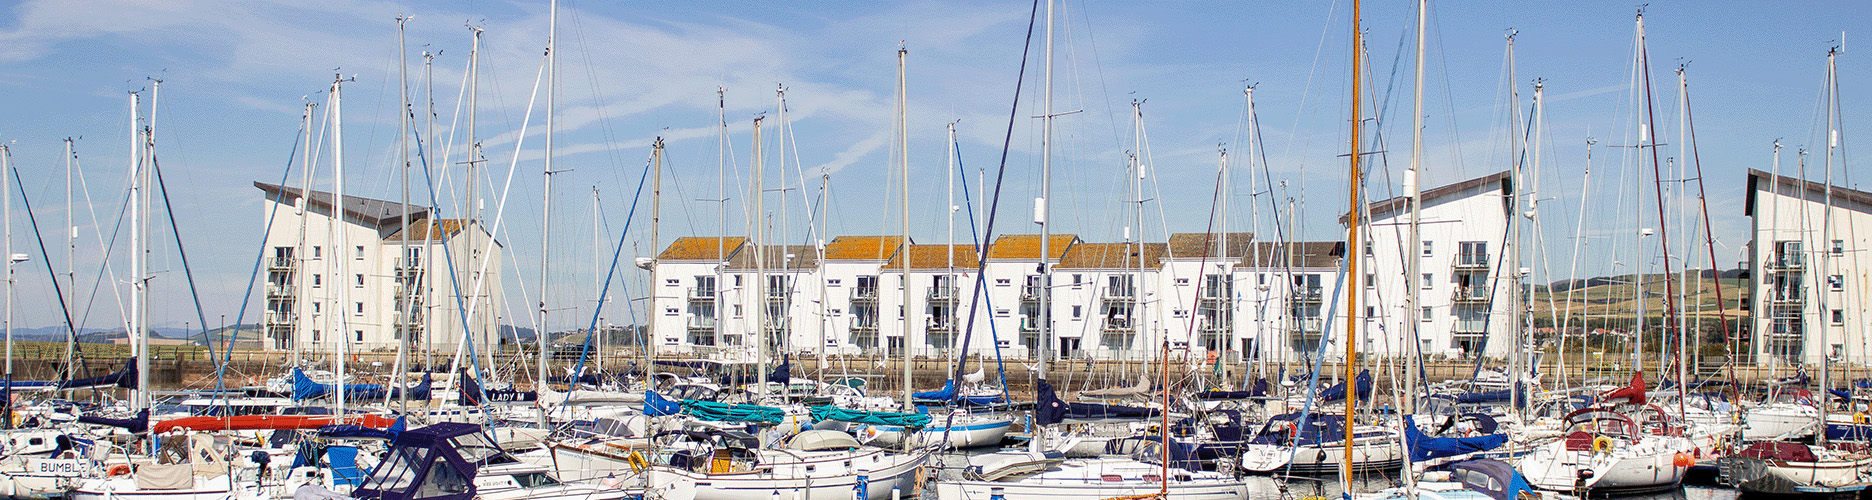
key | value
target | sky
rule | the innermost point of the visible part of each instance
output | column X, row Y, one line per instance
column 235, row 77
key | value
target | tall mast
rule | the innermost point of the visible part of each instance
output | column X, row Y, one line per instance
column 405, row 266
column 598, row 275
column 1043, row 212
column 721, row 207
column 428, row 334
column 903, row 156
column 760, row 268
column 1512, row 255
column 1413, row 255
column 71, row 255
column 471, row 204
column 552, row 93
column 301, row 261
column 138, row 255
column 656, row 229
column 6, row 197
column 1670, row 288
column 1826, row 231
column 340, row 341
column 1137, row 240
column 1354, row 248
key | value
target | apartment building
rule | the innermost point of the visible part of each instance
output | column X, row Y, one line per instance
column 1464, row 284
column 346, row 272
column 1809, row 269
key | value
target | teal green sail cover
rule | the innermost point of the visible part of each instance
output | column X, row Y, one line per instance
column 911, row 420
column 724, row 412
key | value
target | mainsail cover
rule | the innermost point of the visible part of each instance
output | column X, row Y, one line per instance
column 1634, row 393
column 270, row 422
column 911, row 420
column 305, row 388
column 654, row 405
column 1335, row 393
column 724, row 412
column 125, row 378
column 1424, row 447
column 471, row 393
column 1049, row 409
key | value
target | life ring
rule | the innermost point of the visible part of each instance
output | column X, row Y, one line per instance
column 1601, row 444
column 118, row 470
column 1861, row 418
column 1293, row 429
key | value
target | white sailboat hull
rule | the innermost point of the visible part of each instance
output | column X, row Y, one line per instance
column 1779, row 421
column 1099, row 479
column 1647, row 466
column 883, row 472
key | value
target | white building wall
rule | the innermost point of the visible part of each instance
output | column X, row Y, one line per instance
column 1470, row 215
column 1828, row 280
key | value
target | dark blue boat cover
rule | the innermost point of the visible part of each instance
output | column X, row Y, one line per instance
column 125, row 378
column 656, row 406
column 136, row 425
column 1337, row 392
column 1049, row 409
column 1425, row 448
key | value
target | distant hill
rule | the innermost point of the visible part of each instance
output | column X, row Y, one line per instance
column 1618, row 297
column 90, row 335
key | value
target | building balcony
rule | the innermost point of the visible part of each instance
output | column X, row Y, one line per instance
column 1030, row 325
column 1117, row 325
column 1787, row 262
column 1308, row 295
column 1030, row 293
column 1471, row 262
column 1213, row 327
column 281, row 263
column 278, row 290
column 942, row 294
column 1470, row 294
column 1471, row 328
column 935, row 325
column 864, row 295
column 1786, row 299
column 701, row 295
column 281, row 318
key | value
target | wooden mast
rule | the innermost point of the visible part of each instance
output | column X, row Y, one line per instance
column 1354, row 250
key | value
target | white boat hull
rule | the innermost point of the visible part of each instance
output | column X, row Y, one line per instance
column 1648, row 466
column 835, row 478
column 1099, row 479
column 1779, row 421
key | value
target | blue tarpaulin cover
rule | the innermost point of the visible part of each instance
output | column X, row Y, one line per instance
column 1424, row 448
column 912, row 420
column 1337, row 392
column 1049, row 409
column 656, row 406
column 724, row 412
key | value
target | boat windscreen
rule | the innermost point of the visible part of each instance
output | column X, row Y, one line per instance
column 397, row 475
column 476, row 449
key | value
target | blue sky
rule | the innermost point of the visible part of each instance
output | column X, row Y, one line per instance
column 236, row 74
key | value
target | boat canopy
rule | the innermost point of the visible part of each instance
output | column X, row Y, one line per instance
column 821, row 440
column 911, row 420
column 125, row 378
column 1338, row 392
column 436, row 462
column 1494, row 478
column 1049, row 409
column 655, row 405
column 724, row 412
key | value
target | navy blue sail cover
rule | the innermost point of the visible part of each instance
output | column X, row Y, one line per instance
column 1049, row 409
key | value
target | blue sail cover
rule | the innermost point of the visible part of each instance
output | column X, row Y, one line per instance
column 136, row 425
column 781, row 374
column 125, row 378
column 304, row 388
column 656, row 406
column 1425, row 448
column 1049, row 409
column 724, row 412
column 911, row 420
column 1337, row 392
column 944, row 394
column 1180, row 454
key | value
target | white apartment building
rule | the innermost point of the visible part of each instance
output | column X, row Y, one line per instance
column 1100, row 299
column 1807, row 258
column 360, row 281
column 1224, row 294
column 1465, row 289
column 942, row 282
column 686, row 294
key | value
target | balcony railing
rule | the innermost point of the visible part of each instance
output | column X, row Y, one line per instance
column 1120, row 292
column 1471, row 327
column 1313, row 326
column 864, row 294
column 1116, row 325
column 1471, row 294
column 702, row 294
column 1472, row 261
column 1030, row 293
column 281, row 263
column 278, row 290
column 702, row 323
column 942, row 293
column 1308, row 294
column 1787, row 298
column 281, row 318
column 1787, row 261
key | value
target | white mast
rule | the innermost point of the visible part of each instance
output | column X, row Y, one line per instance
column 541, row 337
column 903, row 156
column 138, row 257
column 340, row 341
column 405, row 266
column 1044, row 208
column 1413, row 255
column 760, row 269
column 6, row 197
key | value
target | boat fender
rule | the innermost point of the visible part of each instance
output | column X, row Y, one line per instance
column 118, row 470
column 1601, row 444
column 1861, row 418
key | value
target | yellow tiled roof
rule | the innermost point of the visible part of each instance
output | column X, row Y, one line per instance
column 1112, row 256
column 863, row 247
column 804, row 257
column 935, row 257
column 702, row 248
column 1199, row 245
column 1027, row 247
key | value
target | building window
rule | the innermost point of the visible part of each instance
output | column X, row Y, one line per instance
column 1371, row 280
column 1428, row 280
column 672, row 282
column 1839, row 317
column 832, row 282
column 1836, row 282
column 359, row 254
column 1368, row 248
column 315, row 307
column 1426, row 315
column 1078, row 279
column 360, row 335
column 671, row 311
column 1371, row 312
column 1003, row 282
column 737, row 281
column 1076, row 311
column 315, row 251
column 1182, row 282
column 360, row 308
column 1839, row 247
column 1426, row 248
column 737, row 310
column 360, row 281
column 1001, row 313
column 317, row 280
column 836, row 312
